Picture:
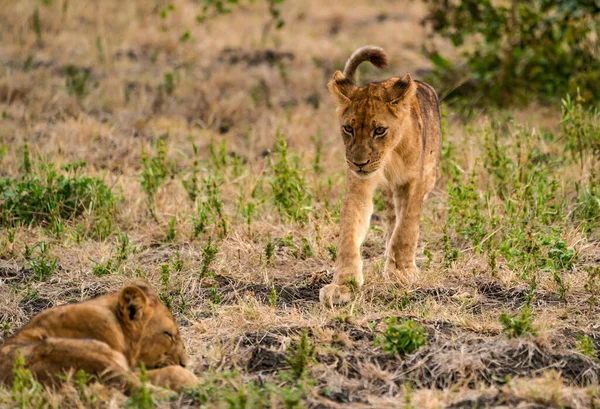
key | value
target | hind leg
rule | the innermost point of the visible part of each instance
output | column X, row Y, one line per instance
column 389, row 216
column 59, row 356
column 400, row 262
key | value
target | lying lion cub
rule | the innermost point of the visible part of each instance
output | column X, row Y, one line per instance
column 108, row 337
column 391, row 131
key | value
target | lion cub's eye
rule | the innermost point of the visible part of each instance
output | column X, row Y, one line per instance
column 348, row 129
column 379, row 131
column 168, row 334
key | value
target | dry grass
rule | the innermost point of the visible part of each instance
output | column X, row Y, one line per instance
column 239, row 81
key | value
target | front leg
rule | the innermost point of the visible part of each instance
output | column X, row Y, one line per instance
column 408, row 202
column 355, row 216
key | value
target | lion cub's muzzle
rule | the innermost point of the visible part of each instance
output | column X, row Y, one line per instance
column 365, row 169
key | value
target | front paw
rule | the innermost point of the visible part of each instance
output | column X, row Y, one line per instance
column 173, row 377
column 334, row 294
column 402, row 274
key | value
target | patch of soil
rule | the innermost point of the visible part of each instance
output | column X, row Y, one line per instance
column 265, row 361
column 296, row 294
column 251, row 58
column 35, row 306
column 490, row 360
column 15, row 274
column 493, row 401
column 496, row 295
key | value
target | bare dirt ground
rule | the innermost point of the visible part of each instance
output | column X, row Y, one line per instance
column 234, row 82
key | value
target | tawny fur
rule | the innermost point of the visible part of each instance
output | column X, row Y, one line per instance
column 109, row 336
column 403, row 161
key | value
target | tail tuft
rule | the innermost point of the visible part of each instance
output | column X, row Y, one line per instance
column 375, row 55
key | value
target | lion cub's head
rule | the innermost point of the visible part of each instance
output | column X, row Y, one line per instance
column 161, row 344
column 371, row 117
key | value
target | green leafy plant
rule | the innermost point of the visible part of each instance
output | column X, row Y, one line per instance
column 228, row 389
column 220, row 7
column 26, row 392
column 171, row 233
column 269, row 249
column 154, row 172
column 77, row 80
column 402, row 339
column 273, row 296
column 107, row 267
column 124, row 247
column 517, row 326
column 36, row 24
column 170, row 80
column 191, row 184
column 580, row 128
column 46, row 196
column 177, row 262
column 40, row 261
column 290, row 193
column 165, row 274
column 141, row 398
column 585, row 345
column 209, row 253
column 300, row 356
column 215, row 296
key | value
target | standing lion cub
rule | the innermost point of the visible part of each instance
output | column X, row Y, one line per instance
column 392, row 134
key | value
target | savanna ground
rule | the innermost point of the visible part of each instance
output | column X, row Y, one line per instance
column 215, row 169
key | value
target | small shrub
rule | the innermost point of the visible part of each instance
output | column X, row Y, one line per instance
column 560, row 257
column 209, row 253
column 269, row 250
column 107, row 267
column 332, row 250
column 36, row 24
column 580, row 128
column 300, row 356
column 46, row 196
column 290, row 193
column 170, row 82
column 165, row 274
column 154, row 172
column 171, row 230
column 517, row 326
column 26, row 392
column 77, row 80
column 585, row 345
column 42, row 263
column 592, row 286
column 273, row 296
column 124, row 247
column 177, row 262
column 402, row 339
column 215, row 296
column 191, row 184
column 141, row 398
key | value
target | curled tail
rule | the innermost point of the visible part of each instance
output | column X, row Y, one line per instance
column 375, row 55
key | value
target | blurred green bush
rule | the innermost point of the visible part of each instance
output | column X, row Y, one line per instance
column 518, row 50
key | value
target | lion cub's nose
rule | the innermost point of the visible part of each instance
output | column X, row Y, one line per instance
column 361, row 164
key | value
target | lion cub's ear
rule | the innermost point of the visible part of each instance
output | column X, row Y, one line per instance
column 145, row 286
column 341, row 87
column 403, row 89
column 132, row 303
